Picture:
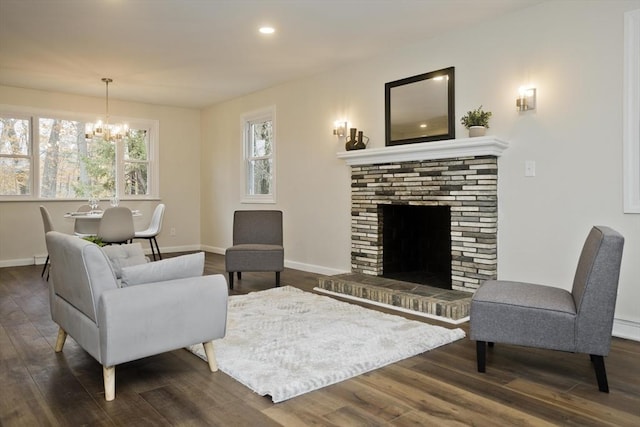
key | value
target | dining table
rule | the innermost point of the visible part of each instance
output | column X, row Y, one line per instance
column 92, row 218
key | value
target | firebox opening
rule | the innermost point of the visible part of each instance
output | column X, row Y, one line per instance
column 417, row 244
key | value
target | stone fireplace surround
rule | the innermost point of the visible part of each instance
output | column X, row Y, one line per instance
column 461, row 174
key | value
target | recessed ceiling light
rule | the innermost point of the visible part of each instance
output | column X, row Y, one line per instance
column 267, row 30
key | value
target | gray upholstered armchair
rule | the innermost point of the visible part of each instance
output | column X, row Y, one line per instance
column 150, row 316
column 547, row 317
column 257, row 244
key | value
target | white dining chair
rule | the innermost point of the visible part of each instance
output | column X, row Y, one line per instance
column 48, row 226
column 85, row 227
column 116, row 226
column 155, row 226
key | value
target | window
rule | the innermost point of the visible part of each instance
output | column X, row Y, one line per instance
column 15, row 156
column 259, row 156
column 48, row 156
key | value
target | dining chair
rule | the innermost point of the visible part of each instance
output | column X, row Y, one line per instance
column 116, row 226
column 48, row 226
column 84, row 227
column 153, row 230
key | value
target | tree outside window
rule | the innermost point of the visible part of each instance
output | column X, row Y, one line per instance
column 67, row 164
column 15, row 156
column 259, row 162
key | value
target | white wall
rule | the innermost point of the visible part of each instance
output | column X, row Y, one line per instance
column 21, row 232
column 571, row 51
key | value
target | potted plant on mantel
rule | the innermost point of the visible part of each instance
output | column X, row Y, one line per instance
column 477, row 121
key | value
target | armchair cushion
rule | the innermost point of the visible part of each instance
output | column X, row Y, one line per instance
column 180, row 267
column 525, row 314
column 122, row 256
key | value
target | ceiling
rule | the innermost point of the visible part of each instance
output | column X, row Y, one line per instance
column 195, row 53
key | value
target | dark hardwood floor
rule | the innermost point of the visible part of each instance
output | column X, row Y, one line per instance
column 521, row 387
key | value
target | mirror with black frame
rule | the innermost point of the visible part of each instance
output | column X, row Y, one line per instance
column 420, row 108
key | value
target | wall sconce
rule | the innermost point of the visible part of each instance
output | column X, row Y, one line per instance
column 526, row 100
column 339, row 128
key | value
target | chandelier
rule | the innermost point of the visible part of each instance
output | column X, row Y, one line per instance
column 106, row 131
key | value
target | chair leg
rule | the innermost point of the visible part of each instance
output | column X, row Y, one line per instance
column 211, row 355
column 109, row 375
column 601, row 372
column 239, row 275
column 481, row 355
column 491, row 344
column 231, row 280
column 44, row 268
column 153, row 251
column 157, row 247
column 277, row 279
column 62, row 336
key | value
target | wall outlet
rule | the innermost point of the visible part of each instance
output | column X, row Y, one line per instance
column 530, row 168
column 172, row 231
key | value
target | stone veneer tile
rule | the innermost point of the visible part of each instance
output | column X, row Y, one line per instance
column 468, row 185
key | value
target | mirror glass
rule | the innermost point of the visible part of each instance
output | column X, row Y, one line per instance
column 420, row 108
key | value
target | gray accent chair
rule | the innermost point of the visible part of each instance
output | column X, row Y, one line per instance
column 257, row 244
column 547, row 317
column 117, row 325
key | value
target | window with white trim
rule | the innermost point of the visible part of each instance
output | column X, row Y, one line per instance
column 49, row 156
column 259, row 156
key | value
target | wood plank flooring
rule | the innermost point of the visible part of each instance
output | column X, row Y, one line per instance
column 522, row 387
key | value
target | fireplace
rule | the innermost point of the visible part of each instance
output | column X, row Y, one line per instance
column 416, row 244
column 464, row 186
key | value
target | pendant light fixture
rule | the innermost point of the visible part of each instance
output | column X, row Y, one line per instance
column 106, row 131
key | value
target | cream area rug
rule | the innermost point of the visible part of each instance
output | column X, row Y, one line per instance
column 284, row 342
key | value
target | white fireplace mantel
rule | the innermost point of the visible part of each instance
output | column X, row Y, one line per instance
column 450, row 148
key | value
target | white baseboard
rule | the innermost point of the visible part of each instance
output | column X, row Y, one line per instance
column 626, row 329
column 213, row 249
column 19, row 262
column 311, row 268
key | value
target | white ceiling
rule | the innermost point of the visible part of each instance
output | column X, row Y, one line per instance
column 195, row 53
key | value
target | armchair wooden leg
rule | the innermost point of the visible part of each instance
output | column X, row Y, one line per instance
column 601, row 372
column 481, row 355
column 231, row 280
column 109, row 374
column 277, row 279
column 239, row 275
column 62, row 336
column 211, row 356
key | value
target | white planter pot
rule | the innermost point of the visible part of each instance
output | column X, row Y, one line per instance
column 477, row 131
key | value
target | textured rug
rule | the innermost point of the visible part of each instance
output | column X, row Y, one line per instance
column 284, row 342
